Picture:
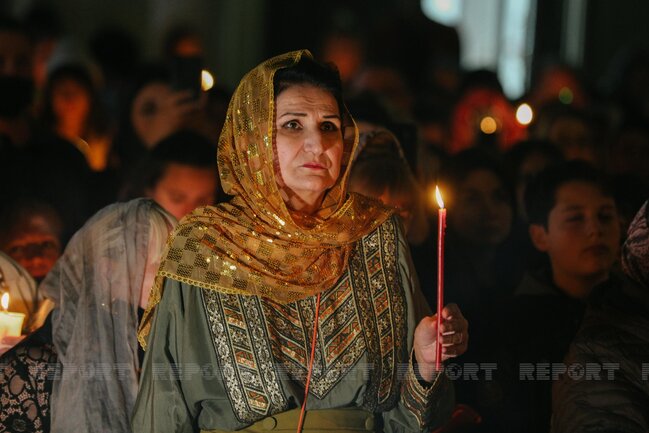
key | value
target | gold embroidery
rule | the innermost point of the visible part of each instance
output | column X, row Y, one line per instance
column 244, row 354
column 260, row 342
column 381, row 299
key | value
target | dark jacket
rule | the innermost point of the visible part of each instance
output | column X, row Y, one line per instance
column 538, row 324
column 613, row 347
column 613, row 344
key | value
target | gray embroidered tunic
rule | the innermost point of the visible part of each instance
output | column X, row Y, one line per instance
column 219, row 361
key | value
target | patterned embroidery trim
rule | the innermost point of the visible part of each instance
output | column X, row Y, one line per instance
column 340, row 344
column 245, row 357
column 382, row 306
column 253, row 336
column 417, row 398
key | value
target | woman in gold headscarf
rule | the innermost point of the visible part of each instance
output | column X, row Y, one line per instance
column 293, row 284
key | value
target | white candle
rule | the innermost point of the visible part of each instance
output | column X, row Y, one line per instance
column 11, row 324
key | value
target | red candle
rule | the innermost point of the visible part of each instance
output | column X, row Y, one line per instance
column 441, row 230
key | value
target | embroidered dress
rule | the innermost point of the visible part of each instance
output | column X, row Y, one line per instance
column 230, row 318
column 225, row 361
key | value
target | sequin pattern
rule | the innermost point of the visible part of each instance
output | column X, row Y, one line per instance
column 363, row 314
column 243, row 246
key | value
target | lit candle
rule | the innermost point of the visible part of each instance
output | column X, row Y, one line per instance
column 11, row 324
column 441, row 230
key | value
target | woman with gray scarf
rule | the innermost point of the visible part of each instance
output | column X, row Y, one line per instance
column 98, row 285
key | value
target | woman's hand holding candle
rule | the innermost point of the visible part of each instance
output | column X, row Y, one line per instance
column 455, row 338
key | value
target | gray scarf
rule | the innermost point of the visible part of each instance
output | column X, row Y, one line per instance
column 96, row 286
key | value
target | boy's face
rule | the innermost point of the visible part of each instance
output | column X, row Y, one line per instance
column 582, row 237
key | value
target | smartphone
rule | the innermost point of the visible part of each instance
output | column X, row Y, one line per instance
column 186, row 75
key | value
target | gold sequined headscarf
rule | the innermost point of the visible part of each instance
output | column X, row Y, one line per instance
column 254, row 244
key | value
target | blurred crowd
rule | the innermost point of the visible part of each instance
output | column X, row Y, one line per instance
column 539, row 196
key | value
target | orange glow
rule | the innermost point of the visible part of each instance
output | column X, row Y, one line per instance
column 488, row 125
column 438, row 196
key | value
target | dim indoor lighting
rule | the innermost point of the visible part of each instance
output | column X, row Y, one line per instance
column 207, row 80
column 488, row 125
column 524, row 114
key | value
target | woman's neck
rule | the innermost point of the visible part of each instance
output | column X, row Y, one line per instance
column 309, row 207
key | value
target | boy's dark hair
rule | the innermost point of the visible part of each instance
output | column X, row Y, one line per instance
column 183, row 147
column 541, row 193
column 309, row 72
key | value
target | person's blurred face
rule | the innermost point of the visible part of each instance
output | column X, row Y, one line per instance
column 574, row 138
column 70, row 101
column 309, row 143
column 182, row 188
column 35, row 246
column 582, row 236
column 15, row 55
column 482, row 212
column 146, row 113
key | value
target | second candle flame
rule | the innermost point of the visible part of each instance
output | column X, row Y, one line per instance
column 438, row 196
column 5, row 301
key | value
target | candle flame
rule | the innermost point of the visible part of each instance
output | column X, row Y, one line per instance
column 207, row 80
column 5, row 301
column 438, row 196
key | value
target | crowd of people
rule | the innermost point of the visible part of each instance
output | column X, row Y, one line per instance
column 227, row 235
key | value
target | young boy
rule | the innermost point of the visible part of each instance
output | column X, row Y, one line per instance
column 615, row 329
column 573, row 220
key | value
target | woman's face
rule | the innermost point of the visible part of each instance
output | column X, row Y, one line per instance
column 309, row 143
column 70, row 101
column 35, row 246
column 147, row 110
column 482, row 213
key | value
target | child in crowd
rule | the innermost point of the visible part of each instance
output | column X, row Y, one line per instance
column 574, row 221
column 614, row 336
